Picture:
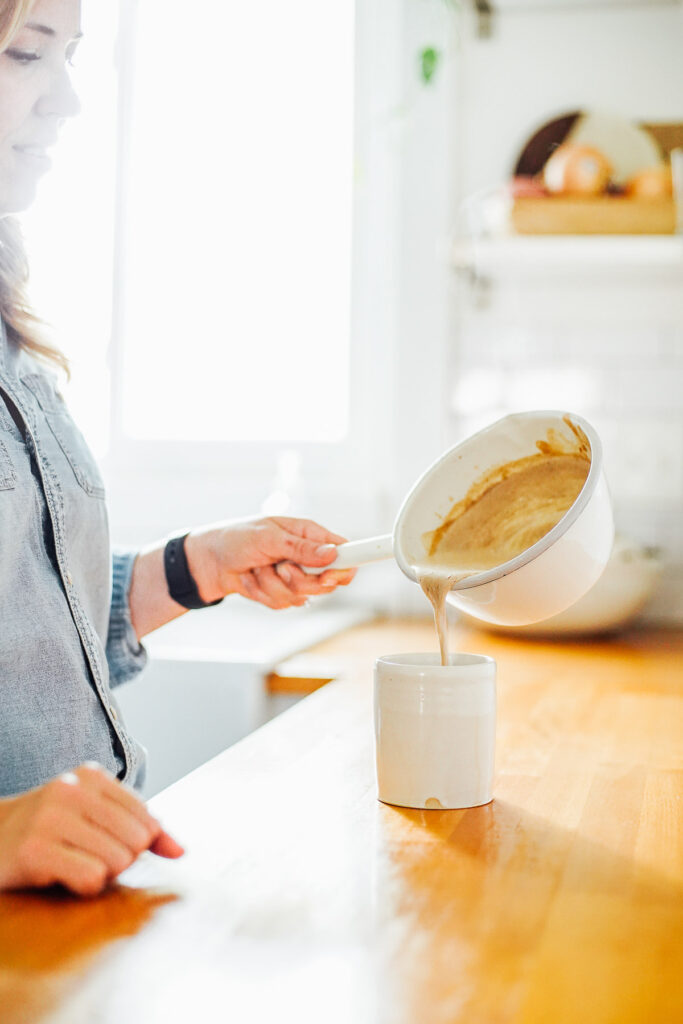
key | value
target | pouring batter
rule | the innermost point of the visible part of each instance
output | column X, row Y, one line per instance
column 503, row 514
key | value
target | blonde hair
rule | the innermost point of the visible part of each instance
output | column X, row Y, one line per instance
column 22, row 325
column 13, row 14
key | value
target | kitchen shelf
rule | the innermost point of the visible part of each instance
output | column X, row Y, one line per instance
column 549, row 6
column 515, row 255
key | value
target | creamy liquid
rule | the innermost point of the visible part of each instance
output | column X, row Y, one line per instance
column 436, row 588
column 511, row 508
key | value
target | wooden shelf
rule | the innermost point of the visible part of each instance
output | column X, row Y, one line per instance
column 514, row 255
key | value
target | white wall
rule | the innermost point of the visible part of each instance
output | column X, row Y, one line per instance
column 541, row 63
column 414, row 127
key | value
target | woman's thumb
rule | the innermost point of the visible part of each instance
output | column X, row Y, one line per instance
column 311, row 552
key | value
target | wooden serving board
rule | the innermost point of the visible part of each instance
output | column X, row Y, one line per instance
column 602, row 215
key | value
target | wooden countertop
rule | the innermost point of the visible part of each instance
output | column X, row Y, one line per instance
column 302, row 898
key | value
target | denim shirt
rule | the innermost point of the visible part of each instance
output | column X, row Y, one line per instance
column 65, row 632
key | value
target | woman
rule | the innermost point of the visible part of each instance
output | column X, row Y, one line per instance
column 71, row 616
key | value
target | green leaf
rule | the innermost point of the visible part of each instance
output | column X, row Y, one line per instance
column 429, row 59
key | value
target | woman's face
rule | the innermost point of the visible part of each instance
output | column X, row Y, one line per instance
column 35, row 97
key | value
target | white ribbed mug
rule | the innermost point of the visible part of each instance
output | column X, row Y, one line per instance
column 435, row 730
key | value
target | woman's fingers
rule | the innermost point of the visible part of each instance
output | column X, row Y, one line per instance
column 337, row 577
column 286, row 585
column 100, row 779
column 266, row 587
column 309, row 584
column 166, row 846
column 249, row 587
column 81, row 829
column 115, row 824
column 83, row 873
column 115, row 854
column 304, row 542
column 308, row 529
column 220, row 556
column 118, row 821
column 114, row 831
column 277, row 592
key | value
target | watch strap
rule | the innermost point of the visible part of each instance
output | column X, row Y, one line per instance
column 179, row 580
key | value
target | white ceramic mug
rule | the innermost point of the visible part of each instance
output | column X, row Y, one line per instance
column 435, row 728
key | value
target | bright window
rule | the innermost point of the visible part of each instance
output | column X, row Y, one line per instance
column 238, row 212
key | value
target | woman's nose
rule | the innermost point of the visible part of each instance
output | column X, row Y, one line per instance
column 60, row 100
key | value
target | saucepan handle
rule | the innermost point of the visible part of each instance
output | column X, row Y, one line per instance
column 358, row 552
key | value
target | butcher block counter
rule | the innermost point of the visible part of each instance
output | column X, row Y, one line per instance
column 302, row 898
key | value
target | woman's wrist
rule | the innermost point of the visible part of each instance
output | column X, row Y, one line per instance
column 202, row 563
column 6, row 805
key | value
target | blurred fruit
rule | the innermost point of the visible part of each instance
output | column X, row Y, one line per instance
column 652, row 183
column 577, row 170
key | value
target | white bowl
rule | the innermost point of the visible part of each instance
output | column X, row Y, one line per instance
column 627, row 583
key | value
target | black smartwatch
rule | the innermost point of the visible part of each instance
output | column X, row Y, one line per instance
column 179, row 579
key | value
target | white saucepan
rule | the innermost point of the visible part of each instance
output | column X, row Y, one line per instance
column 543, row 580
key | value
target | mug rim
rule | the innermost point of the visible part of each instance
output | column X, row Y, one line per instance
column 431, row 660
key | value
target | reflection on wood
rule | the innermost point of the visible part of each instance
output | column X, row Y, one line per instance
column 48, row 940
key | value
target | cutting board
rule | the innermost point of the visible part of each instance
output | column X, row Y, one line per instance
column 600, row 215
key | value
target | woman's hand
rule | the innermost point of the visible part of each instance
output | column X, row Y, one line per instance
column 262, row 558
column 81, row 830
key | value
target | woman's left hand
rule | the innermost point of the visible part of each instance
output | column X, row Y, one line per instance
column 261, row 559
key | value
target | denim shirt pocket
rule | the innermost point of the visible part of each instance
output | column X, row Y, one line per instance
column 8, row 477
column 66, row 433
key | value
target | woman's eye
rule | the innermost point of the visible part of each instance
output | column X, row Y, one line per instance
column 21, row 56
